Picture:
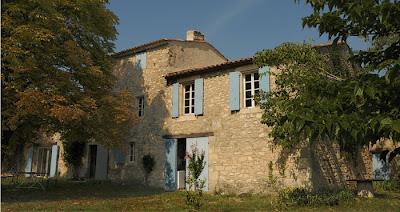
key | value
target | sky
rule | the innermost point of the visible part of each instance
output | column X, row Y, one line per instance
column 237, row 28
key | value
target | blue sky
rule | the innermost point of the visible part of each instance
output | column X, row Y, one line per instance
column 238, row 28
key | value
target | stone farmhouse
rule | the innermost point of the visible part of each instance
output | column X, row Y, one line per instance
column 187, row 93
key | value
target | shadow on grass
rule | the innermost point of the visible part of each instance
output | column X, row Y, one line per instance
column 77, row 190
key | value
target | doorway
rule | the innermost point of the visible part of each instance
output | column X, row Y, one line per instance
column 92, row 160
column 176, row 165
column 181, row 163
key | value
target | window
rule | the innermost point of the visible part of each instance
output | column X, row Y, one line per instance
column 188, row 98
column 131, row 154
column 43, row 165
column 251, row 88
column 141, row 106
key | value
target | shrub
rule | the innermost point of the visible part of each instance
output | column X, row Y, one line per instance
column 194, row 193
column 148, row 163
column 308, row 197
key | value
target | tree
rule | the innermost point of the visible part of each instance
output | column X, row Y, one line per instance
column 57, row 73
column 352, row 106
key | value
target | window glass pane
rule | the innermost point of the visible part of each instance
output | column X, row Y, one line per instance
column 186, row 109
column 248, row 103
column 248, row 77
column 186, row 102
column 192, row 101
column 248, row 86
column 187, row 88
column 256, row 85
column 186, row 95
column 193, row 94
column 248, row 94
column 192, row 109
column 256, row 76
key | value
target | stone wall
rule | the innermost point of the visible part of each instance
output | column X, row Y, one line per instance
column 150, row 83
column 240, row 150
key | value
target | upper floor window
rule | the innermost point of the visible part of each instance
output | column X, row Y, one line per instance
column 251, row 88
column 131, row 155
column 188, row 98
column 140, row 106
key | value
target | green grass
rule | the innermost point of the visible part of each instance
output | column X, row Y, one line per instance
column 107, row 196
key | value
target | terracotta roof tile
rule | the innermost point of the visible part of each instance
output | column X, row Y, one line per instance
column 216, row 67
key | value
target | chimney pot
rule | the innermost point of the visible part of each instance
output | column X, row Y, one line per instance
column 193, row 35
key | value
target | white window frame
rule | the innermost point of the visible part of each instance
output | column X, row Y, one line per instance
column 191, row 98
column 132, row 152
column 140, row 100
column 252, row 88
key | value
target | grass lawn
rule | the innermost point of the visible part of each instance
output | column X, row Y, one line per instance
column 107, row 196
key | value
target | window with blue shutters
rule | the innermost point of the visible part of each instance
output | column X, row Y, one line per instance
column 188, row 98
column 251, row 88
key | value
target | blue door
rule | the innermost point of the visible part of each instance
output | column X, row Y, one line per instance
column 170, row 164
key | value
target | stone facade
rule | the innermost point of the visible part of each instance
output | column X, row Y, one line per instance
column 242, row 157
column 240, row 151
column 150, row 83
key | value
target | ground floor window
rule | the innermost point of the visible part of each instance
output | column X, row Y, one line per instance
column 131, row 156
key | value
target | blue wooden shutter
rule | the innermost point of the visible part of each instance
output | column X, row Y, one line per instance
column 101, row 163
column 264, row 78
column 28, row 166
column 234, row 96
column 54, row 160
column 170, row 164
column 198, row 93
column 175, row 100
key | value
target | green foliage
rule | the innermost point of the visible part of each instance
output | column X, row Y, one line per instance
column 73, row 154
column 318, row 98
column 307, row 197
column 387, row 185
column 56, row 72
column 194, row 193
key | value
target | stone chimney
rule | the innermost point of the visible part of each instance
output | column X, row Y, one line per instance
column 193, row 35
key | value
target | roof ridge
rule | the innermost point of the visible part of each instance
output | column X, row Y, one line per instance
column 157, row 43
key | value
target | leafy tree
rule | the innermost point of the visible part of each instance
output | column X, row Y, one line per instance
column 314, row 99
column 56, row 72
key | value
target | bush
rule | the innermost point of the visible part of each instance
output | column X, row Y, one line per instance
column 387, row 185
column 194, row 194
column 307, row 197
